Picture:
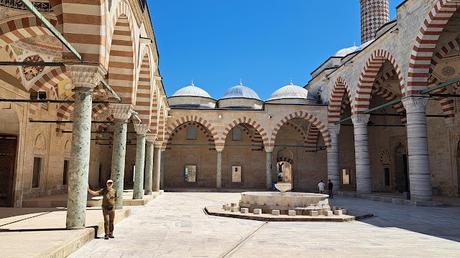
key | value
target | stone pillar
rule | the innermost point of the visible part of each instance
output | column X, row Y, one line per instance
column 149, row 165
column 121, row 113
column 417, row 145
column 219, row 170
column 141, row 130
column 157, row 169
column 268, row 169
column 363, row 173
column 162, row 170
column 333, row 164
column 84, row 79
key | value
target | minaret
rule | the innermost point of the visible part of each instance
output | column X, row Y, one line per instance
column 374, row 14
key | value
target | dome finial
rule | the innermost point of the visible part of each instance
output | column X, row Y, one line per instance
column 241, row 82
column 193, row 83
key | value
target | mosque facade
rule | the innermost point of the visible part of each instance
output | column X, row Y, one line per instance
column 84, row 105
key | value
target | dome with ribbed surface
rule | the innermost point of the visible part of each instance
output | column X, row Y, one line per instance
column 290, row 91
column 240, row 91
column 191, row 91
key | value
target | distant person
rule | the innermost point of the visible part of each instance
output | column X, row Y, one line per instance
column 109, row 195
column 330, row 187
column 321, row 186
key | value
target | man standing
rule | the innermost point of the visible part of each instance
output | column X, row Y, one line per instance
column 330, row 187
column 109, row 195
column 321, row 186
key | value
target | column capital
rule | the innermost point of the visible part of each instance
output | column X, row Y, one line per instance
column 360, row 119
column 86, row 76
column 141, row 129
column 415, row 104
column 269, row 148
column 121, row 111
column 151, row 138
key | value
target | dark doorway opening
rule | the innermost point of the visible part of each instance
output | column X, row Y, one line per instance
column 8, row 145
column 402, row 169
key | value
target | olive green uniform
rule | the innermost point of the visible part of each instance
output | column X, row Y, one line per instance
column 108, row 209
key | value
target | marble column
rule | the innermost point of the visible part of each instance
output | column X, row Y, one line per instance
column 363, row 172
column 156, row 169
column 268, row 169
column 219, row 170
column 84, row 78
column 333, row 164
column 417, row 147
column 121, row 113
column 138, row 191
column 149, row 165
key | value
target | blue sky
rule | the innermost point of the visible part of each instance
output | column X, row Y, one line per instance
column 265, row 43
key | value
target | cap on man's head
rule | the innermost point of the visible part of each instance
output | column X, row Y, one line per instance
column 110, row 181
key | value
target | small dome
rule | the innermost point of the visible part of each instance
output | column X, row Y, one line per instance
column 290, row 91
column 346, row 51
column 240, row 91
column 191, row 91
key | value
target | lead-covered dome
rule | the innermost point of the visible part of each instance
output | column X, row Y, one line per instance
column 290, row 91
column 191, row 96
column 240, row 91
column 191, row 91
column 241, row 97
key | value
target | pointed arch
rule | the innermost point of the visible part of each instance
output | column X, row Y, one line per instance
column 188, row 119
column 308, row 117
column 121, row 56
column 369, row 76
column 21, row 28
column 261, row 134
column 144, row 92
column 336, row 100
column 425, row 44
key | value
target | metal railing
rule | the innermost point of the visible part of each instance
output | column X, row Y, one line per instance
column 42, row 6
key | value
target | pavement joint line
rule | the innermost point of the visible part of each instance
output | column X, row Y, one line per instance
column 24, row 219
column 235, row 248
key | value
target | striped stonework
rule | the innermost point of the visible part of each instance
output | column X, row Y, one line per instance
column 200, row 127
column 121, row 61
column 339, row 93
column 155, row 118
column 260, row 133
column 83, row 24
column 144, row 92
column 425, row 44
column 447, row 104
column 312, row 139
column 369, row 76
column 65, row 111
column 308, row 117
column 170, row 131
column 162, row 135
column 21, row 28
column 51, row 79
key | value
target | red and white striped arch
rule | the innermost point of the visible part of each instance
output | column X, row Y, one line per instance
column 122, row 59
column 336, row 99
column 311, row 144
column 83, row 24
column 302, row 115
column 187, row 119
column 144, row 92
column 425, row 44
column 20, row 28
column 369, row 76
column 261, row 132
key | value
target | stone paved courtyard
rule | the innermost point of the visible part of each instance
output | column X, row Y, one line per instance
column 174, row 225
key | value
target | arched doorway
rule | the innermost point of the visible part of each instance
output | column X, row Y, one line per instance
column 9, row 131
column 401, row 169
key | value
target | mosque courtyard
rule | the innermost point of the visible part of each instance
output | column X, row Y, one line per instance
column 175, row 225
